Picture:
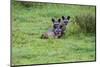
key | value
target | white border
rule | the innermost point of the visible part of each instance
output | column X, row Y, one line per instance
column 85, row 2
column 5, row 36
column 4, row 33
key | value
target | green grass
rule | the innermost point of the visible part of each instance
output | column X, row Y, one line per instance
column 28, row 23
column 37, row 51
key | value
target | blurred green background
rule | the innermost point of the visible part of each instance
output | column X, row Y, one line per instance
column 30, row 20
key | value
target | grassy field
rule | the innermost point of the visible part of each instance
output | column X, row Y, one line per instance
column 29, row 22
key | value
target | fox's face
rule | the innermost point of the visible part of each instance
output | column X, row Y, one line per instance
column 58, row 31
column 65, row 19
column 56, row 23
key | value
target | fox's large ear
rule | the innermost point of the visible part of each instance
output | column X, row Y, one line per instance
column 59, row 20
column 68, row 17
column 63, row 17
column 53, row 20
